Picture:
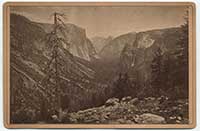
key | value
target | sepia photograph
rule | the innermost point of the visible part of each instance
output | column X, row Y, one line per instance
column 99, row 65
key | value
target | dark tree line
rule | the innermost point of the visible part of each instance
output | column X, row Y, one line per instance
column 170, row 69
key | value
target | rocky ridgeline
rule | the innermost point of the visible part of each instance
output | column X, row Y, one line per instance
column 133, row 111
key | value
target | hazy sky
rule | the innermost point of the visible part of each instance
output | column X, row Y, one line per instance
column 109, row 21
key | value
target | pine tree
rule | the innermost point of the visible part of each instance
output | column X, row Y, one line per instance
column 51, row 83
column 181, row 61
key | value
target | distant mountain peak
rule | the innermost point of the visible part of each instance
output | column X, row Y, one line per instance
column 99, row 42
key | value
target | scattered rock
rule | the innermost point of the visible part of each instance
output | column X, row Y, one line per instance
column 112, row 102
column 132, row 110
column 172, row 117
column 73, row 120
column 130, row 122
column 54, row 117
column 150, row 98
column 126, row 99
column 134, row 101
column 121, row 121
column 179, row 118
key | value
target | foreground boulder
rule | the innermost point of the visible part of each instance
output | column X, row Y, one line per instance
column 148, row 118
